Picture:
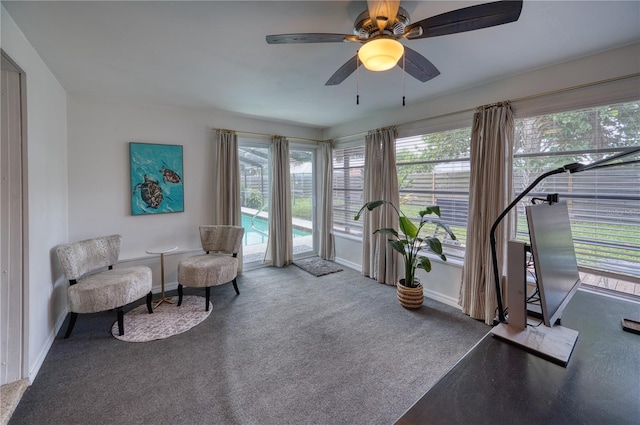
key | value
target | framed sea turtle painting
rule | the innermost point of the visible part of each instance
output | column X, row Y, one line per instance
column 157, row 184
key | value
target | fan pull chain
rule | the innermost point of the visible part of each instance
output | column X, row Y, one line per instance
column 404, row 71
column 357, row 80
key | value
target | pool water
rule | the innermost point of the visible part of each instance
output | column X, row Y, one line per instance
column 257, row 233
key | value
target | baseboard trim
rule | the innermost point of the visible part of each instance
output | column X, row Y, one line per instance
column 444, row 299
column 46, row 347
column 167, row 287
column 349, row 264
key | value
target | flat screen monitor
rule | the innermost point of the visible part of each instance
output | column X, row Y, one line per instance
column 554, row 257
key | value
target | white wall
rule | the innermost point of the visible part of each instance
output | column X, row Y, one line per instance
column 99, row 194
column 46, row 223
column 609, row 64
column 443, row 283
column 99, row 188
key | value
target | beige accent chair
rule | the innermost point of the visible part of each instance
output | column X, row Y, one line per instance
column 92, row 288
column 218, row 266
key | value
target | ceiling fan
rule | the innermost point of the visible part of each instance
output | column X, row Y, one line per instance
column 384, row 22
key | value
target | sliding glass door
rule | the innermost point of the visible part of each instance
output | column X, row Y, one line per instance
column 302, row 166
column 254, row 198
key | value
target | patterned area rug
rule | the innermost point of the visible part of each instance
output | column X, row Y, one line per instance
column 167, row 320
column 317, row 266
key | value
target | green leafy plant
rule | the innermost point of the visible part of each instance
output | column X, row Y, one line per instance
column 254, row 198
column 409, row 243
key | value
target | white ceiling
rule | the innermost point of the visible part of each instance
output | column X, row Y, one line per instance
column 213, row 54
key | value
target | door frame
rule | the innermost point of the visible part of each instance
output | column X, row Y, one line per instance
column 18, row 333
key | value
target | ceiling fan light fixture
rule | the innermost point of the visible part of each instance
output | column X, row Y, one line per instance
column 380, row 54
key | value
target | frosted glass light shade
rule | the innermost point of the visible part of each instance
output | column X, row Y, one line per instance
column 381, row 54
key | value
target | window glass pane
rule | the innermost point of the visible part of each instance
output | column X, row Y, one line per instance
column 604, row 204
column 348, row 178
column 254, row 199
column 302, row 194
column 433, row 169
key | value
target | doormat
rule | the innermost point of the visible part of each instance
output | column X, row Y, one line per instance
column 317, row 266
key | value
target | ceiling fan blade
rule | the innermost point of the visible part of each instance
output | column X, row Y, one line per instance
column 345, row 70
column 309, row 38
column 381, row 11
column 418, row 66
column 467, row 19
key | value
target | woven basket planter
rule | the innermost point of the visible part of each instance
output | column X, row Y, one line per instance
column 409, row 297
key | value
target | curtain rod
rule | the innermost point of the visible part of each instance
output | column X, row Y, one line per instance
column 519, row 99
column 269, row 135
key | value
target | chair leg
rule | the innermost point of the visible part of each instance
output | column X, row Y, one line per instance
column 235, row 286
column 149, row 307
column 120, row 321
column 208, row 296
column 179, row 295
column 72, row 323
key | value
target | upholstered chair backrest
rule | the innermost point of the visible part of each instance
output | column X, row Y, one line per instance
column 221, row 238
column 82, row 257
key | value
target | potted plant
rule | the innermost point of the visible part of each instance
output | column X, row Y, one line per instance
column 409, row 243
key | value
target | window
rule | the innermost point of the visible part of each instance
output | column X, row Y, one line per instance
column 433, row 169
column 604, row 204
column 348, row 182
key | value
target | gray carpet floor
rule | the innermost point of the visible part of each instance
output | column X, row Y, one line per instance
column 290, row 349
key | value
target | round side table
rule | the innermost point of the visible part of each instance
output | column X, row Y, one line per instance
column 162, row 251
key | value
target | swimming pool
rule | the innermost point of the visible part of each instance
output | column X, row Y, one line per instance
column 257, row 233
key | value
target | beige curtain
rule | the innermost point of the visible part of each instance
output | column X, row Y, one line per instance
column 490, row 191
column 325, row 162
column 280, row 243
column 226, row 204
column 379, row 260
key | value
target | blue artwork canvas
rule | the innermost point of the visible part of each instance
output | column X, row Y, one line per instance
column 156, row 178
